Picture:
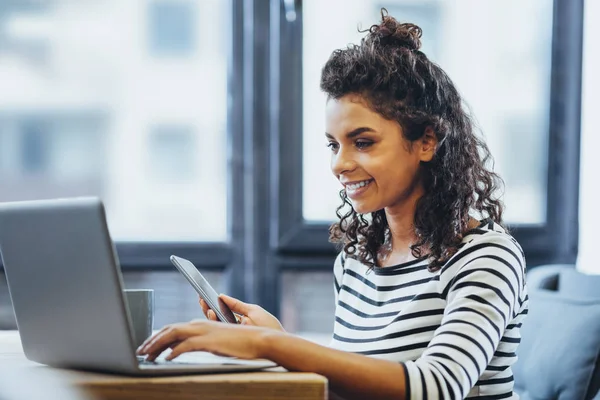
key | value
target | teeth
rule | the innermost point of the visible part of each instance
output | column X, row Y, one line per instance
column 358, row 185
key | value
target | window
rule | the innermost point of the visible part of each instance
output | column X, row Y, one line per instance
column 503, row 74
column 188, row 188
column 90, row 115
column 307, row 304
column 34, row 157
column 18, row 36
column 97, row 119
column 9, row 149
column 172, row 27
column 52, row 156
column 172, row 154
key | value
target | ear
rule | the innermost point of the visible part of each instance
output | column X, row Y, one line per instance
column 428, row 144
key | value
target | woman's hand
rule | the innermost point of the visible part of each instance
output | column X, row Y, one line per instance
column 250, row 314
column 215, row 337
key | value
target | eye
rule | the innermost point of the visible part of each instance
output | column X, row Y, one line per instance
column 333, row 146
column 363, row 144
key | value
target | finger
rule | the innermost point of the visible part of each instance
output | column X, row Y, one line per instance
column 211, row 315
column 191, row 344
column 174, row 344
column 149, row 347
column 245, row 321
column 208, row 313
column 166, row 338
column 205, row 307
column 150, row 339
column 236, row 305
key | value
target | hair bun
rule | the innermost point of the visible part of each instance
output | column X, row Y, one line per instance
column 392, row 32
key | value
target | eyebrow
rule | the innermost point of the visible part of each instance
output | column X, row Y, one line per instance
column 354, row 133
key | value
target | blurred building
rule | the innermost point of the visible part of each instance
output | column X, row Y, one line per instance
column 125, row 100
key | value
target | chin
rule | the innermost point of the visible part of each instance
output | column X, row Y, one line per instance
column 363, row 208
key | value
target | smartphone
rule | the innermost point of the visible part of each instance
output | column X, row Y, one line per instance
column 206, row 292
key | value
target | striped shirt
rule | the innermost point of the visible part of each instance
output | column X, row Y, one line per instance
column 456, row 330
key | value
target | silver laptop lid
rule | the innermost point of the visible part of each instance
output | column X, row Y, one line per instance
column 65, row 284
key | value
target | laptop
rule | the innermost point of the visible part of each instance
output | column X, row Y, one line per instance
column 66, row 288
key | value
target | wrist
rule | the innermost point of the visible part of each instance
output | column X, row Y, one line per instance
column 266, row 341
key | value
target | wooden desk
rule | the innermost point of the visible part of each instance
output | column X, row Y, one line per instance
column 274, row 384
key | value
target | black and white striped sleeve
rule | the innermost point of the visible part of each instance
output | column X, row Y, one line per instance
column 482, row 286
column 338, row 273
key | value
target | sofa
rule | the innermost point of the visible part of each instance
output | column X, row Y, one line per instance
column 559, row 353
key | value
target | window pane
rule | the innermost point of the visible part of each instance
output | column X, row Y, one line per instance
column 502, row 73
column 308, row 303
column 123, row 100
column 171, row 155
column 171, row 27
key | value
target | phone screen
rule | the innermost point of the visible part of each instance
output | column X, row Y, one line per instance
column 204, row 289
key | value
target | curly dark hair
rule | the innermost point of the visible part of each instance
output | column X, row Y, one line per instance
column 399, row 82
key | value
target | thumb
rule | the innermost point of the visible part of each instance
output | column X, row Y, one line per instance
column 236, row 305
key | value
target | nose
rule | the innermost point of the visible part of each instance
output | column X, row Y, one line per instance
column 342, row 162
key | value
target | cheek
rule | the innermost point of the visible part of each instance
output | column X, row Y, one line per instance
column 396, row 180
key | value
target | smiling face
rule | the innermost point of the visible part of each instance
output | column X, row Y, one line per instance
column 378, row 167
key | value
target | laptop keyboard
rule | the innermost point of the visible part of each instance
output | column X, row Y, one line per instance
column 155, row 362
column 204, row 359
column 162, row 362
column 159, row 362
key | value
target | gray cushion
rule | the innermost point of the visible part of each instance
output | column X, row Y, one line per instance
column 559, row 347
column 546, row 276
column 575, row 283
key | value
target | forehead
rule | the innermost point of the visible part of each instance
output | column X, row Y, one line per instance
column 351, row 112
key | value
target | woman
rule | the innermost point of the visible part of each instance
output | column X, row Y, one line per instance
column 430, row 289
